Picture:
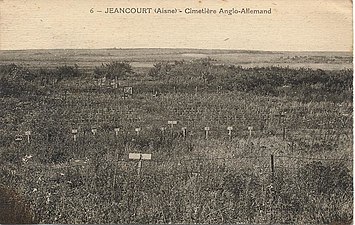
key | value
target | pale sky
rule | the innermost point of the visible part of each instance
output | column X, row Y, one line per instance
column 294, row 25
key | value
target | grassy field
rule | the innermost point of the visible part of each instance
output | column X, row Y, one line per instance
column 291, row 169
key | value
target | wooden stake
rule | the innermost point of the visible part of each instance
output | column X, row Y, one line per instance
column 138, row 129
column 250, row 129
column 272, row 165
column 272, row 189
column 139, row 167
column 28, row 134
column 206, row 132
column 184, row 132
column 230, row 132
column 116, row 131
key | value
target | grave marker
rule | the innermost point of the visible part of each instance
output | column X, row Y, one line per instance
column 28, row 134
column 116, row 131
column 140, row 157
column 184, row 132
column 172, row 123
column 127, row 91
column 94, row 131
column 138, row 129
column 74, row 132
column 207, row 129
column 280, row 116
column 250, row 129
column 230, row 132
column 18, row 138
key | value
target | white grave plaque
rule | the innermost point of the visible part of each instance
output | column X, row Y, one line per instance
column 128, row 90
column 139, row 156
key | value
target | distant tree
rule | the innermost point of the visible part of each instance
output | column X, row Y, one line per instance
column 65, row 72
column 16, row 80
column 113, row 70
column 160, row 69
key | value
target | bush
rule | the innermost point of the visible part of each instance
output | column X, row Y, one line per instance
column 113, row 70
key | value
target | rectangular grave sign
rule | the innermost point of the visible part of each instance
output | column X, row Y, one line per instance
column 128, row 90
column 172, row 122
column 139, row 156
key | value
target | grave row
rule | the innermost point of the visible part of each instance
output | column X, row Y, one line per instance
column 171, row 125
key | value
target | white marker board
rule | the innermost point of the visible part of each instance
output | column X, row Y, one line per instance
column 139, row 156
column 173, row 122
column 128, row 90
column 229, row 128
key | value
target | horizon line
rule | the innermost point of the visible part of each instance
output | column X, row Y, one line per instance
column 181, row 48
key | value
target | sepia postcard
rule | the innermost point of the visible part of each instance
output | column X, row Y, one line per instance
column 176, row 112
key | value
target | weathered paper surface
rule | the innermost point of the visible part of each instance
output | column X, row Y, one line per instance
column 179, row 111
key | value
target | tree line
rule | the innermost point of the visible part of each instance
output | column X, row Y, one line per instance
column 304, row 83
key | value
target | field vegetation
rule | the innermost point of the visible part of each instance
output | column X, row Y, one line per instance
column 287, row 160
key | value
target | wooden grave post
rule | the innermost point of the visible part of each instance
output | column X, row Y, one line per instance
column 272, row 189
column 184, row 132
column 127, row 91
column 74, row 132
column 28, row 134
column 138, row 129
column 280, row 116
column 94, row 130
column 250, row 128
column 162, row 129
column 140, row 157
column 116, row 131
column 230, row 128
column 207, row 129
column 172, row 123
